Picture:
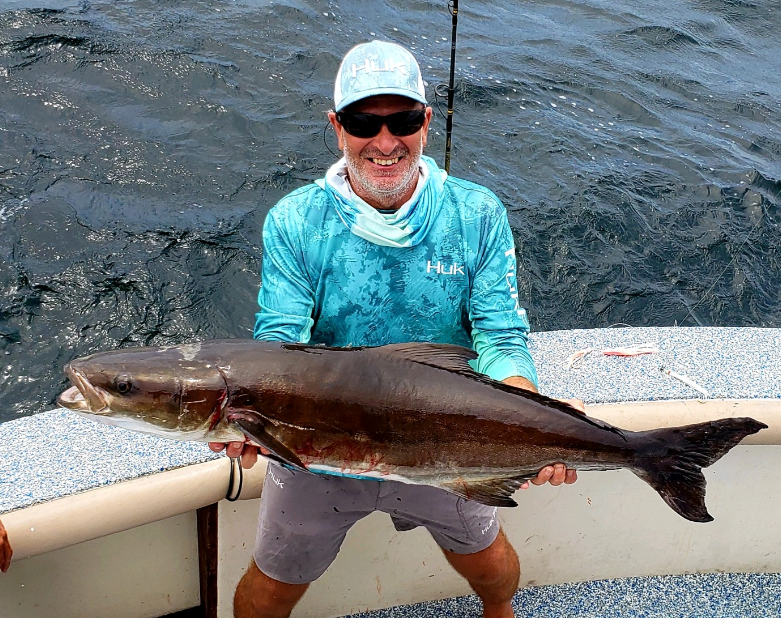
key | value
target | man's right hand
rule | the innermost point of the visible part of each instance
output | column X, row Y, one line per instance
column 246, row 451
column 5, row 549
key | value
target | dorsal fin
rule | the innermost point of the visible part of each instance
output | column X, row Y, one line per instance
column 441, row 355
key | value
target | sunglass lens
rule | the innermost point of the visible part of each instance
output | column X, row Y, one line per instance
column 400, row 124
column 360, row 125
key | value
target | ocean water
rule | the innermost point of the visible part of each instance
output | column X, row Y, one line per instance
column 635, row 144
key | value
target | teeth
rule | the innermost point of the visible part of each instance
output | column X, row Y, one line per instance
column 386, row 161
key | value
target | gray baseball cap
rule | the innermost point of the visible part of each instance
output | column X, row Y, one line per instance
column 374, row 68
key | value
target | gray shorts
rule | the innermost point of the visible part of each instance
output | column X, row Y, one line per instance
column 304, row 518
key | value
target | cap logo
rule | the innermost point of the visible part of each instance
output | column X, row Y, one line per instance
column 370, row 66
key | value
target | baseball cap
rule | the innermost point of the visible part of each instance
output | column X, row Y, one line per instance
column 374, row 68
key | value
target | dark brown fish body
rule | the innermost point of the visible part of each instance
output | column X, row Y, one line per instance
column 412, row 412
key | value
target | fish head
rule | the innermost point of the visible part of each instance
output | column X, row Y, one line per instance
column 172, row 392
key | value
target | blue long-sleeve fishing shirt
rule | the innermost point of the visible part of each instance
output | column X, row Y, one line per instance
column 323, row 283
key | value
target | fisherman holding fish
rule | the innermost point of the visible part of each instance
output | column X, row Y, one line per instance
column 390, row 359
column 387, row 248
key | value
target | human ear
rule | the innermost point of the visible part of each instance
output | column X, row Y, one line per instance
column 337, row 129
column 424, row 131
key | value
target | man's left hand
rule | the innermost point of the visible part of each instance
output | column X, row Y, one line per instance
column 555, row 475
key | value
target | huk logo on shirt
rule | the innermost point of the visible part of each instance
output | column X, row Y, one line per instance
column 444, row 269
column 510, row 279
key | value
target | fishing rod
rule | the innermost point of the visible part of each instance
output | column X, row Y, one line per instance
column 453, row 7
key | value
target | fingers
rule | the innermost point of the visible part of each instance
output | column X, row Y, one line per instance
column 234, row 449
column 250, row 457
column 556, row 475
column 578, row 404
column 246, row 451
column 543, row 476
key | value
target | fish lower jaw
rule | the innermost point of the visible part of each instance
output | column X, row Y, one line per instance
column 95, row 398
column 73, row 400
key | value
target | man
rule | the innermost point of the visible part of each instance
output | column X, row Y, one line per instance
column 385, row 249
column 5, row 549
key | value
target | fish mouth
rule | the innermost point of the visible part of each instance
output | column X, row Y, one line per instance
column 82, row 396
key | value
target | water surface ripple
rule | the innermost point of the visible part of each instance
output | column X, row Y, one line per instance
column 635, row 144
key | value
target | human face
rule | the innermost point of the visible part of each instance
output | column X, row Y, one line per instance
column 383, row 170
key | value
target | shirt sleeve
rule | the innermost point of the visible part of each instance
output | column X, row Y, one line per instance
column 286, row 299
column 500, row 326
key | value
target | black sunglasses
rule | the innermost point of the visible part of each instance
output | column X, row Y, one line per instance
column 399, row 124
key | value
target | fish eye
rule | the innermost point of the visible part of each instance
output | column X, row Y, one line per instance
column 123, row 385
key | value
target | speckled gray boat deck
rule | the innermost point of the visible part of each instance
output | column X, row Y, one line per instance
column 730, row 363
column 714, row 595
column 57, row 453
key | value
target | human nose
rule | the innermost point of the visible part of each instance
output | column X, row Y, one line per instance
column 385, row 141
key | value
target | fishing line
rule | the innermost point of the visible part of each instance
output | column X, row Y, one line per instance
column 325, row 129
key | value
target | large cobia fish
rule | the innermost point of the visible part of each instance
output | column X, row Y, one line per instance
column 412, row 412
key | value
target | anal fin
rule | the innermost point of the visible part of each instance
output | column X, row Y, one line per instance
column 493, row 492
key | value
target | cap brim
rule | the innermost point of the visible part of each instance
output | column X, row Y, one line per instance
column 375, row 92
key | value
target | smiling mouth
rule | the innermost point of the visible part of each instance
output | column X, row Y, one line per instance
column 386, row 162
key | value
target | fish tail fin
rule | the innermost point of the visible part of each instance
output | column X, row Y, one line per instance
column 676, row 472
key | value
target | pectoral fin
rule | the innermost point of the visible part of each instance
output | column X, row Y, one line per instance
column 493, row 492
column 254, row 427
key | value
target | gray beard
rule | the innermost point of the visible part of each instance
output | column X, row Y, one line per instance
column 385, row 198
